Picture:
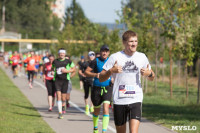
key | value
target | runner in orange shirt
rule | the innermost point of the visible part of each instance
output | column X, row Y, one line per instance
column 37, row 64
column 15, row 61
column 31, row 68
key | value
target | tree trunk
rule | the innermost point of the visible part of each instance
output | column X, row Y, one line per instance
column 186, row 79
column 179, row 72
column 156, row 65
column 170, row 77
column 146, row 85
column 143, row 84
column 198, row 92
column 163, row 71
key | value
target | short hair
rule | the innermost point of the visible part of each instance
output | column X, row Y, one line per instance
column 128, row 34
column 51, row 56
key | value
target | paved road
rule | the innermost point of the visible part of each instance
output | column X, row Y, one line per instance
column 75, row 121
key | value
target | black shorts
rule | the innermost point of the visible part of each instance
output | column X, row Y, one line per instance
column 13, row 67
column 87, row 84
column 98, row 95
column 61, row 85
column 130, row 111
column 81, row 78
column 50, row 87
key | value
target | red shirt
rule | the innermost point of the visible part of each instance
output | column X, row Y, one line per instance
column 47, row 69
column 30, row 63
column 15, row 59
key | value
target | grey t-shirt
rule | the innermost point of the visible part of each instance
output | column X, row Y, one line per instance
column 127, row 85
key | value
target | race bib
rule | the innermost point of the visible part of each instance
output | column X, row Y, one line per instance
column 32, row 62
column 15, row 61
column 58, row 71
column 49, row 75
column 127, row 91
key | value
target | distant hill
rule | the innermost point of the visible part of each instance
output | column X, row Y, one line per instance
column 112, row 26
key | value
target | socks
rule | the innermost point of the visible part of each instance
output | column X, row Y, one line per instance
column 105, row 122
column 59, row 103
column 95, row 121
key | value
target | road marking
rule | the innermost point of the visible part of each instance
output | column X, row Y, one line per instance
column 76, row 106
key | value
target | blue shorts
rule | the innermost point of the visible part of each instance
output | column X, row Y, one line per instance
column 37, row 66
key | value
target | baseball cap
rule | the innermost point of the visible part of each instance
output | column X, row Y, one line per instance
column 91, row 53
column 104, row 47
column 82, row 57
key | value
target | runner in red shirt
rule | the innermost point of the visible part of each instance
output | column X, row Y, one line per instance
column 30, row 68
column 15, row 61
column 48, row 79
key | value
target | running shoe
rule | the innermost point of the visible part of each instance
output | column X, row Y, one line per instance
column 87, row 112
column 68, row 105
column 63, row 110
column 30, row 85
column 95, row 131
column 50, row 109
column 92, row 109
column 60, row 116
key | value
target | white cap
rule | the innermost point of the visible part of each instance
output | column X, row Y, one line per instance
column 46, row 60
column 91, row 53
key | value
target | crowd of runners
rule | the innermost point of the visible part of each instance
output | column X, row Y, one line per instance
column 112, row 81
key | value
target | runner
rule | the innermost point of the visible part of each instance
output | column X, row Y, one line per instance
column 87, row 82
column 127, row 66
column 69, row 84
column 37, row 64
column 30, row 68
column 48, row 79
column 61, row 78
column 80, row 76
column 6, row 60
column 101, row 92
column 15, row 62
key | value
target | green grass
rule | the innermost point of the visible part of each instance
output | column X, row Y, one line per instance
column 175, row 111
column 16, row 113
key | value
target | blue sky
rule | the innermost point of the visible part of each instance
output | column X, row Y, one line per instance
column 100, row 11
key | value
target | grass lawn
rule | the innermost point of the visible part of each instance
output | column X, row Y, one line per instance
column 16, row 113
column 175, row 111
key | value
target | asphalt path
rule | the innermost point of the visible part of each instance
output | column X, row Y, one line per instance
column 75, row 120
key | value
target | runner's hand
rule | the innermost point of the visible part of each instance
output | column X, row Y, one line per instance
column 116, row 68
column 97, row 76
column 52, row 73
column 145, row 71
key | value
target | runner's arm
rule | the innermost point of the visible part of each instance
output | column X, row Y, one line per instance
column 88, row 73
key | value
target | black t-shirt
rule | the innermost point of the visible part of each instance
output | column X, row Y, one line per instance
column 57, row 65
column 83, row 67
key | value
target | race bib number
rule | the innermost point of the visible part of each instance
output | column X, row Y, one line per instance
column 127, row 91
column 59, row 70
column 32, row 62
column 49, row 75
column 15, row 61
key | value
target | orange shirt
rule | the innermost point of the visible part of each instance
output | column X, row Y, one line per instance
column 37, row 58
column 30, row 63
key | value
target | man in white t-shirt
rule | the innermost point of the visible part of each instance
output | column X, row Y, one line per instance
column 126, row 67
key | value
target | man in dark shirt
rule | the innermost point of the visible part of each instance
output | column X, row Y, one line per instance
column 61, row 78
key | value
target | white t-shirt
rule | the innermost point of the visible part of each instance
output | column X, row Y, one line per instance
column 127, row 85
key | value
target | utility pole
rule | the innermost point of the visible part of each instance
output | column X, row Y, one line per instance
column 3, row 24
column 198, row 91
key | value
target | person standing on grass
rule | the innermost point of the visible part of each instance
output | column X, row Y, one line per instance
column 101, row 91
column 30, row 68
column 127, row 67
column 61, row 78
column 48, row 79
